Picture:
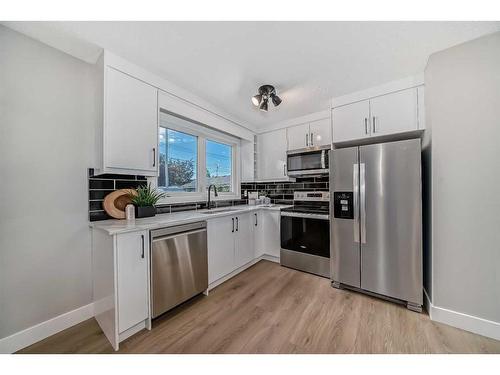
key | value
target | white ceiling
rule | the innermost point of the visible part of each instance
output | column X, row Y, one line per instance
column 225, row 62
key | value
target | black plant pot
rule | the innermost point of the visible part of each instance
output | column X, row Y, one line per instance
column 146, row 211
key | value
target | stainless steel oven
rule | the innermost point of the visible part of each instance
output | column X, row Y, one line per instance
column 305, row 233
column 306, row 162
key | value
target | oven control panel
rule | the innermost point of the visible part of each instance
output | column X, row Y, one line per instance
column 311, row 196
column 343, row 205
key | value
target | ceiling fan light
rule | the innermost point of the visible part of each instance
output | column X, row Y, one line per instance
column 256, row 99
column 276, row 100
column 263, row 106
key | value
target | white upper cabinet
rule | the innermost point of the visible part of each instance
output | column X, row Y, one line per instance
column 271, row 155
column 298, row 136
column 313, row 134
column 320, row 132
column 351, row 121
column 247, row 152
column 391, row 111
column 130, row 125
column 394, row 113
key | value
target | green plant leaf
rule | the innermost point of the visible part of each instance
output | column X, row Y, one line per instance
column 146, row 196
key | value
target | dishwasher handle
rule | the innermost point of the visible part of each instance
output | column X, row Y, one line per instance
column 169, row 236
column 176, row 229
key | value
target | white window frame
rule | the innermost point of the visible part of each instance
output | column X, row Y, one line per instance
column 203, row 133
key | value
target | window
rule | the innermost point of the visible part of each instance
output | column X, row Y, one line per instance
column 191, row 157
column 219, row 165
column 178, row 161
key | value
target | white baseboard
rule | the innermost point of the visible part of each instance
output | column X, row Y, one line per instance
column 463, row 321
column 241, row 269
column 29, row 336
column 270, row 258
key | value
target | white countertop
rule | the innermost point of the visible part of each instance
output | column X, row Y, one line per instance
column 176, row 218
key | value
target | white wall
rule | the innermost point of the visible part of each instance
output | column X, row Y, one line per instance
column 463, row 105
column 46, row 146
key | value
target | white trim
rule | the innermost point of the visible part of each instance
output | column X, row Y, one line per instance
column 386, row 88
column 311, row 117
column 45, row 329
column 463, row 321
column 203, row 134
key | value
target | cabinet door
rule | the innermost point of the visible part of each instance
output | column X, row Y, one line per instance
column 247, row 161
column 298, row 137
column 394, row 113
column 351, row 121
column 244, row 244
column 271, row 222
column 132, row 252
column 272, row 155
column 320, row 132
column 130, row 124
column 220, row 247
column 258, row 233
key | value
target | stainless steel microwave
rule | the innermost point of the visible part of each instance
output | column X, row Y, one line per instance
column 308, row 162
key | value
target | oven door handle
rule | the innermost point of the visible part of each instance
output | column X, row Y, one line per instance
column 305, row 216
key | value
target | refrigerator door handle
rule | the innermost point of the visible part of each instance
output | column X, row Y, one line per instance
column 355, row 200
column 362, row 196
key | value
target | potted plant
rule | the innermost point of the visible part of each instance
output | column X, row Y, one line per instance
column 144, row 201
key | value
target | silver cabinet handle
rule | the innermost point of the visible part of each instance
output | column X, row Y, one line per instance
column 284, row 169
column 374, row 129
column 307, row 143
column 366, row 125
column 355, row 201
column 362, row 198
column 237, row 225
column 255, row 219
column 142, row 240
column 312, row 139
column 154, row 156
column 233, row 225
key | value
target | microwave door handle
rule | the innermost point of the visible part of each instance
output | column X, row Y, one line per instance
column 323, row 165
column 355, row 189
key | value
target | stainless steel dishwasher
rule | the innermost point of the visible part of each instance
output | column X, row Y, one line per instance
column 179, row 265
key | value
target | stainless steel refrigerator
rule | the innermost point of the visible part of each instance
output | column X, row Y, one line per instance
column 376, row 220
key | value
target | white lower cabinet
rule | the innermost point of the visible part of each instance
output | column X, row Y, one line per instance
column 234, row 241
column 220, row 238
column 120, row 267
column 244, row 240
column 271, row 233
column 258, row 233
column 121, row 264
column 132, row 275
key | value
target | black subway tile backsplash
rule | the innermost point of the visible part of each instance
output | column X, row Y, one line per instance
column 98, row 194
column 280, row 192
column 101, row 184
column 119, row 184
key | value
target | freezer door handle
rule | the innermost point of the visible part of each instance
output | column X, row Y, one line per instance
column 355, row 201
column 362, row 196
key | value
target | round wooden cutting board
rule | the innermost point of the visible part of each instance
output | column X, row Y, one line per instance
column 115, row 202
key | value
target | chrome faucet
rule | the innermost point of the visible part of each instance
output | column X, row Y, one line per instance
column 208, row 197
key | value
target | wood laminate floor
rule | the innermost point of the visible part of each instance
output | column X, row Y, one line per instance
column 272, row 309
